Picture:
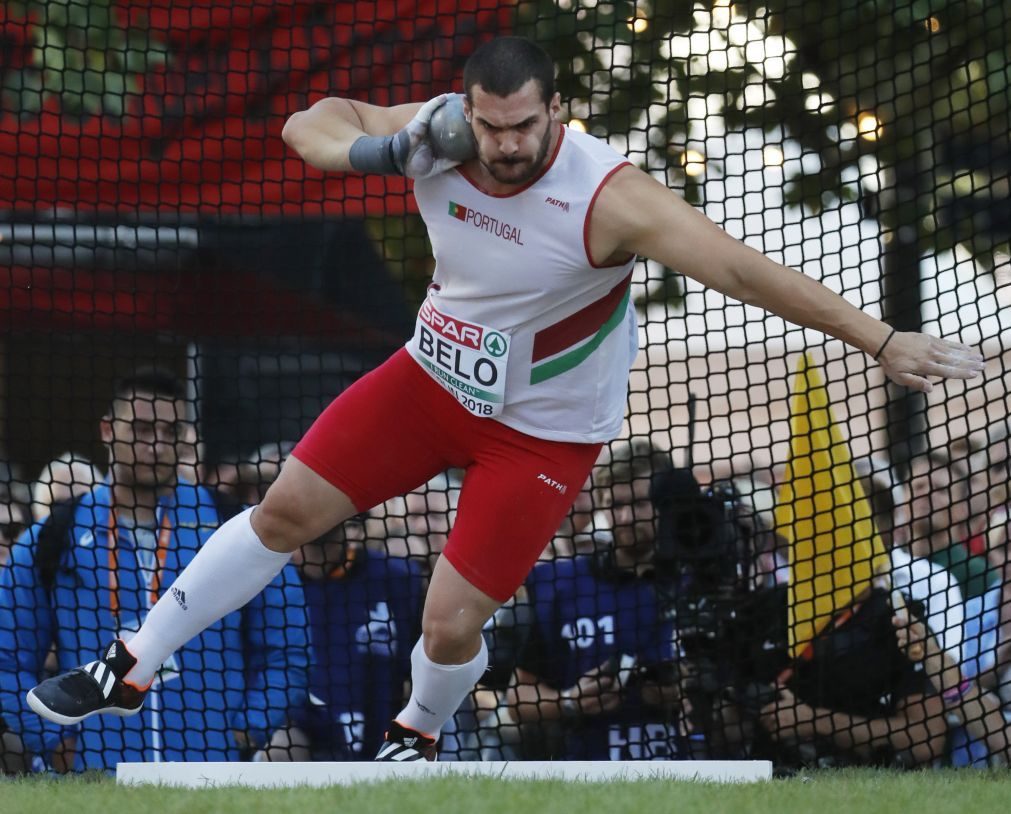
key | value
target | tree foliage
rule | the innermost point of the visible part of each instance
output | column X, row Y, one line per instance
column 933, row 74
column 83, row 52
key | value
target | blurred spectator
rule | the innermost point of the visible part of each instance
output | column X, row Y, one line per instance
column 189, row 454
column 983, row 737
column 64, row 478
column 575, row 535
column 214, row 698
column 365, row 615
column 990, row 471
column 755, row 514
column 417, row 525
column 14, row 488
column 596, row 679
column 13, row 521
column 939, row 514
column 855, row 698
column 925, row 581
column 243, row 481
column 940, row 518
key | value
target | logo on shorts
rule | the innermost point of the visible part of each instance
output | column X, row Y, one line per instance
column 558, row 487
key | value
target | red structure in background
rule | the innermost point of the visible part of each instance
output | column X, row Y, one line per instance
column 205, row 135
column 203, row 140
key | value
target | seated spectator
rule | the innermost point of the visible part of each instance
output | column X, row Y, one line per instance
column 13, row 521
column 855, row 698
column 365, row 615
column 925, row 581
column 983, row 737
column 417, row 525
column 67, row 477
column 575, row 535
column 217, row 697
column 940, row 512
column 596, row 679
column 755, row 513
column 989, row 464
column 243, row 481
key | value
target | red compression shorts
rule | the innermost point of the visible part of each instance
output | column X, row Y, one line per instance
column 396, row 428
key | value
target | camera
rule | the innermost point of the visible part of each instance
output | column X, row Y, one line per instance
column 703, row 552
column 731, row 636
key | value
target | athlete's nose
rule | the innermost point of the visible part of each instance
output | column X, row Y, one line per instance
column 509, row 145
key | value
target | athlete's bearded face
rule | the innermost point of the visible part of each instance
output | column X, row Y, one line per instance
column 513, row 133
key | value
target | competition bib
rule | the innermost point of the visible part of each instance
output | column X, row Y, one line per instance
column 469, row 360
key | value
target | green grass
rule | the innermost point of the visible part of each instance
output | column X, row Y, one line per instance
column 827, row 792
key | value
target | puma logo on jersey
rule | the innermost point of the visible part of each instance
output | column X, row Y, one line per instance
column 558, row 487
column 563, row 205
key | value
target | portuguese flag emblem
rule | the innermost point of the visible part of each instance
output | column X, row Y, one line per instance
column 457, row 211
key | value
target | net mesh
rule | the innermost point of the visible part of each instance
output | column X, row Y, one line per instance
column 783, row 555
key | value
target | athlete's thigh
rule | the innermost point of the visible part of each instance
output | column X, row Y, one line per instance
column 379, row 438
column 299, row 507
column 514, row 497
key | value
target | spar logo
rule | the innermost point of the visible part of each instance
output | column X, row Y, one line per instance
column 459, row 331
column 486, row 223
column 495, row 344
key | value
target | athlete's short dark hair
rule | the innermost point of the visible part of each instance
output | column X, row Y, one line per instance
column 504, row 65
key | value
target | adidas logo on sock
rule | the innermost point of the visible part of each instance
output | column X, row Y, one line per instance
column 180, row 597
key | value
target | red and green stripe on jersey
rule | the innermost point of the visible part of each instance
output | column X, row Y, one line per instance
column 562, row 346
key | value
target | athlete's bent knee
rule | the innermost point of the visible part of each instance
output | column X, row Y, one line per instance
column 450, row 641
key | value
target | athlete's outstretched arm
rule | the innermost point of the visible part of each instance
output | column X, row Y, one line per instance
column 637, row 214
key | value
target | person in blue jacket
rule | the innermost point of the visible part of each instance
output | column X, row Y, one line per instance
column 365, row 615
column 220, row 696
column 596, row 679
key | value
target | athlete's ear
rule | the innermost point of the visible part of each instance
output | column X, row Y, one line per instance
column 555, row 106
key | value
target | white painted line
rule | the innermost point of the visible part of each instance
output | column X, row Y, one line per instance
column 280, row 775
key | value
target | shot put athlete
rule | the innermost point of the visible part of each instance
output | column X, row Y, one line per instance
column 517, row 371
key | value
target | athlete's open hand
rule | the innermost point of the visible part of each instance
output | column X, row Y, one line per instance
column 911, row 359
column 412, row 147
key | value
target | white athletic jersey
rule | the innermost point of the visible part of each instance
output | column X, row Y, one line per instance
column 519, row 324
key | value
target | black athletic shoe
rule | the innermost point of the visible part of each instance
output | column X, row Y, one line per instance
column 85, row 691
column 403, row 744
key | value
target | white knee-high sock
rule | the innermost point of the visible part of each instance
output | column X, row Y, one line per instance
column 230, row 569
column 438, row 689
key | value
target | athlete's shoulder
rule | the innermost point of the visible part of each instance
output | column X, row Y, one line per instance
column 594, row 148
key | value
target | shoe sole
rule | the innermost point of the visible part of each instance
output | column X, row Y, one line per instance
column 68, row 720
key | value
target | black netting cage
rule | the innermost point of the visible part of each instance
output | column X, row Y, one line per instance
column 776, row 553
